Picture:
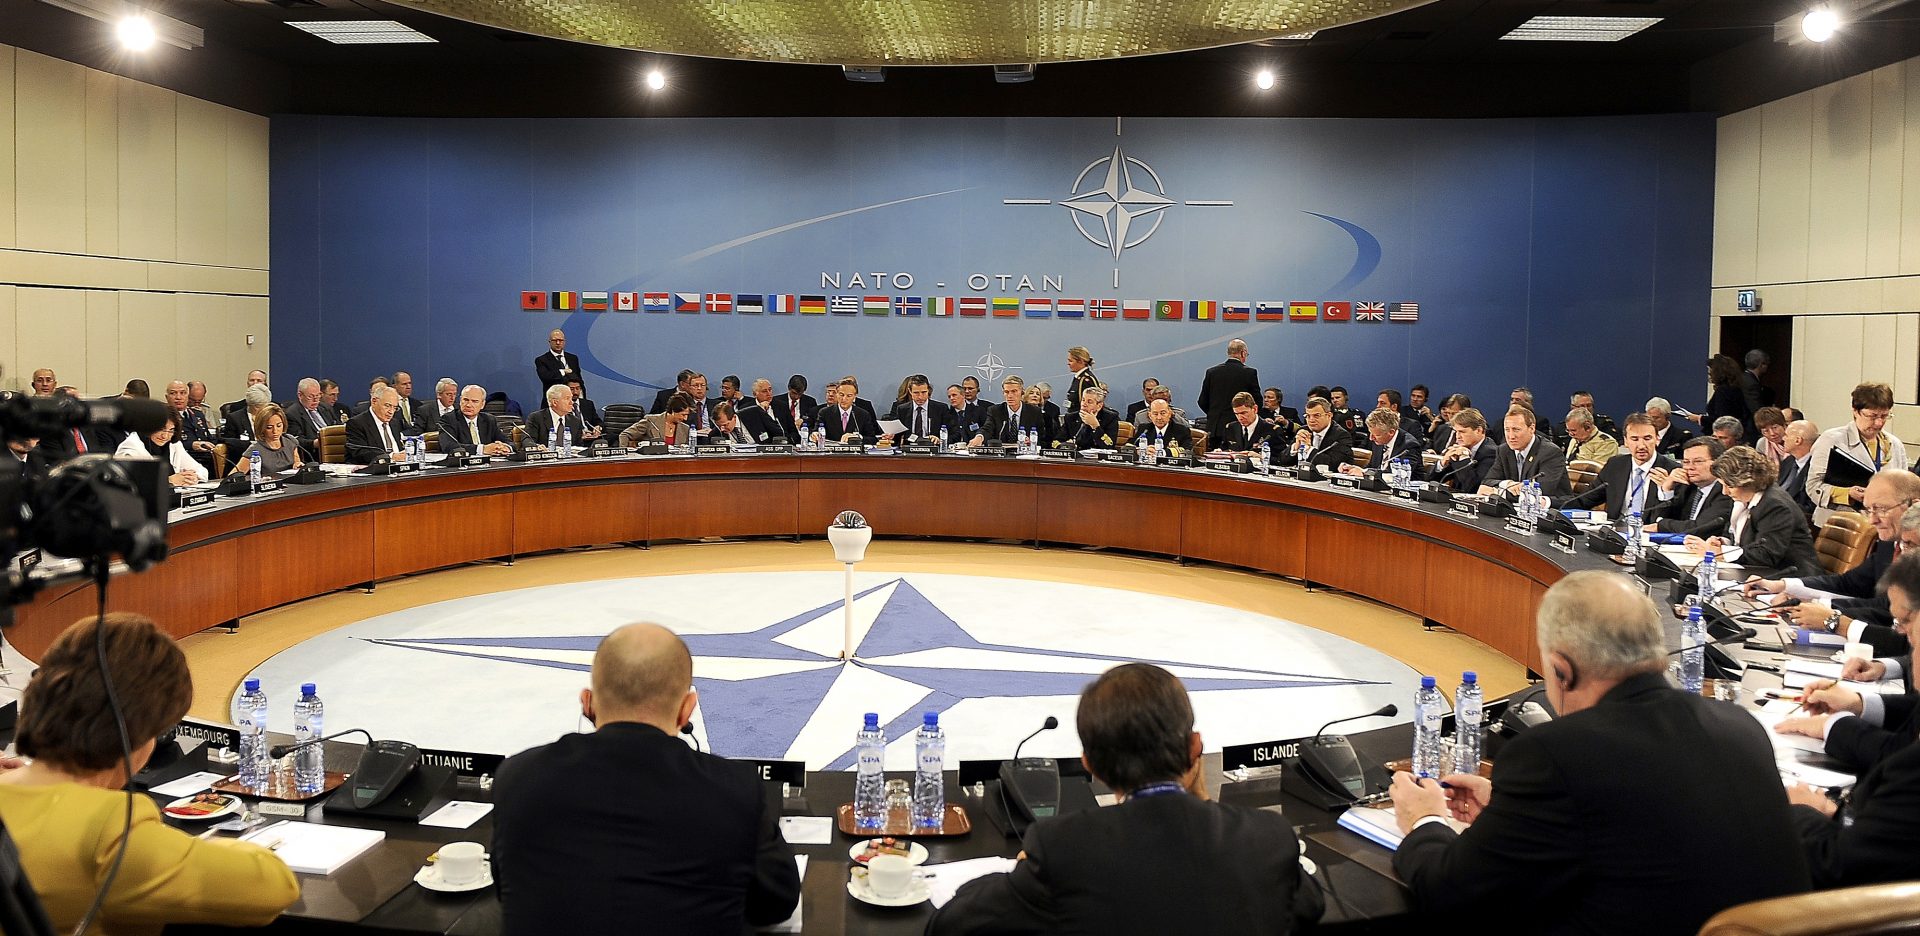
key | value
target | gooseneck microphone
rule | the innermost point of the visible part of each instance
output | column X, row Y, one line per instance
column 1050, row 724
column 687, row 729
column 1746, row 633
column 1385, row 711
column 1329, row 765
column 281, row 750
column 1029, row 787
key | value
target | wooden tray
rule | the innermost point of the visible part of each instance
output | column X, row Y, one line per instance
column 280, row 788
column 899, row 825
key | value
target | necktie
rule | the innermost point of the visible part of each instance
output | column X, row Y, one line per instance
column 920, row 421
column 79, row 443
column 386, row 435
column 473, row 431
column 1699, row 500
column 796, row 415
column 317, row 419
column 1636, row 493
column 406, row 412
column 740, row 434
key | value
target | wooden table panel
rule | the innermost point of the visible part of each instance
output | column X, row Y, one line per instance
column 1491, row 604
column 1383, row 564
column 430, row 534
column 690, row 508
column 591, row 514
column 1104, row 516
column 1253, row 535
column 899, row 506
column 300, row 560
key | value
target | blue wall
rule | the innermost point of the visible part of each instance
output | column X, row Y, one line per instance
column 1552, row 253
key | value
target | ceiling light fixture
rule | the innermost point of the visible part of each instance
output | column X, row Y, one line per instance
column 152, row 28
column 362, row 32
column 1264, row 80
column 656, row 79
column 1580, row 28
column 135, row 33
column 1819, row 24
column 1822, row 20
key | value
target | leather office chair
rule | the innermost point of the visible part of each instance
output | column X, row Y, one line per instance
column 1852, row 911
column 1581, row 474
column 618, row 417
column 431, row 441
column 1844, row 542
column 1125, row 435
column 1363, row 456
column 1199, row 442
column 333, row 444
column 220, row 460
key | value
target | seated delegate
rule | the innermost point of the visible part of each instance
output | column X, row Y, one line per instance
column 278, row 453
column 1764, row 526
column 164, row 444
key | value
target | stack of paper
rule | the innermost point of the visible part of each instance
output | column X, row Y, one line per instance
column 943, row 880
column 314, row 849
column 1378, row 825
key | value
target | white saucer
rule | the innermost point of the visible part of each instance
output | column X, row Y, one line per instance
column 1307, row 865
column 233, row 806
column 916, row 852
column 429, row 878
column 916, row 892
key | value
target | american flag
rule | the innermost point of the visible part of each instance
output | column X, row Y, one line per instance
column 1369, row 311
column 1403, row 312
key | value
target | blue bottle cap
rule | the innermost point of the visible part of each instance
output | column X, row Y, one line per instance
column 1469, row 677
column 306, row 690
column 873, row 720
column 1426, row 682
column 253, row 684
column 1709, row 557
column 930, row 719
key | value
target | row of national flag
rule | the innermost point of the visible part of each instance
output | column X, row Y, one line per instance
column 1159, row 310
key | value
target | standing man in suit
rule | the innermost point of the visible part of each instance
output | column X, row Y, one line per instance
column 1245, row 431
column 627, row 829
column 795, row 410
column 760, row 418
column 1690, row 500
column 1526, row 457
column 1225, row 379
column 1469, row 459
column 920, row 413
column 1094, row 425
column 967, row 417
column 1765, row 530
column 1080, row 365
column 378, row 431
column 1164, row 858
column 555, row 366
column 1134, row 409
column 1626, row 480
column 473, row 428
column 1005, row 420
column 1388, row 442
column 1756, row 394
column 1672, row 437
column 1565, row 838
column 844, row 421
column 1163, row 429
column 559, row 407
column 1325, row 445
column 970, row 387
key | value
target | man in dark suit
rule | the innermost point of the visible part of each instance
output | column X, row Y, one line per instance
column 1526, row 457
column 1245, row 431
column 858, row 400
column 1284, row 419
column 377, row 432
column 1757, row 395
column 1410, row 421
column 967, row 417
column 845, row 422
column 1672, row 436
column 923, row 415
column 558, row 364
column 1225, row 379
column 796, row 409
column 1441, row 438
column 413, row 410
column 1690, row 500
column 1866, row 731
column 330, row 398
column 308, row 415
column 1147, row 387
column 1625, row 482
column 700, row 418
column 587, row 410
column 762, row 423
column 629, row 830
column 194, row 434
column 445, row 405
column 1163, row 859
column 1162, row 429
column 1094, row 425
column 1344, row 416
column 1851, row 603
column 1386, row 441
column 682, row 383
column 1565, row 837
column 1469, row 459
column 559, row 407
column 1798, row 439
column 1769, row 531
column 1005, row 420
column 1325, row 445
column 473, row 428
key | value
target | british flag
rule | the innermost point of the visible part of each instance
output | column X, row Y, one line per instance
column 1403, row 312
column 1369, row 311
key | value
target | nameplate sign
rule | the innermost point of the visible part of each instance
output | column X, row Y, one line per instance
column 269, row 486
column 1226, row 466
column 28, row 560
column 471, row 461
column 1407, row 494
column 793, row 773
column 464, row 763
column 1464, row 509
column 1260, row 754
column 545, row 456
column 720, row 449
column 842, row 448
column 1517, row 525
column 1564, row 542
column 1346, row 481
column 1057, row 453
column 192, row 499
column 216, row 736
column 600, row 451
column 776, row 448
column 1122, row 457
column 1287, row 472
column 403, row 467
column 920, row 448
column 1176, row 461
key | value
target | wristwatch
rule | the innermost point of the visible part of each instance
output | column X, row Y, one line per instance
column 1833, row 622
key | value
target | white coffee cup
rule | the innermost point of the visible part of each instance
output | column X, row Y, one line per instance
column 1857, row 651
column 889, row 875
column 459, row 862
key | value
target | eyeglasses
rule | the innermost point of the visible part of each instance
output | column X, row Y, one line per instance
column 1875, row 416
column 1900, row 507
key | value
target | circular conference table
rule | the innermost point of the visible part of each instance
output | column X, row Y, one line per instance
column 243, row 555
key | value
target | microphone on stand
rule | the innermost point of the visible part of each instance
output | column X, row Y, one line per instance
column 281, row 750
column 1029, row 787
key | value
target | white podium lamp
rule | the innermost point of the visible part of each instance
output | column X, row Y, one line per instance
column 849, row 535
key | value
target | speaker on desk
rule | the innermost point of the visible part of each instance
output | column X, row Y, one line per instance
column 424, row 790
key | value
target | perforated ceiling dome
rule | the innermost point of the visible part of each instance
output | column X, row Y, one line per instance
column 914, row 32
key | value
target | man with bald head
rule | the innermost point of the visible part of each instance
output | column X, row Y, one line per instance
column 472, row 428
column 195, row 435
column 378, row 431
column 558, row 364
column 627, row 829
column 1640, row 809
column 1224, row 380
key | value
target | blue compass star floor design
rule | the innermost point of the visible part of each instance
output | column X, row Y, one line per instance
column 994, row 656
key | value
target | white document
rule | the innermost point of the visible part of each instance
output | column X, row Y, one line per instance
column 314, row 849
column 1379, row 826
column 1815, row 776
column 806, row 830
column 459, row 814
column 188, row 785
column 1784, row 744
column 943, row 880
column 892, row 426
column 792, row 924
column 1825, row 669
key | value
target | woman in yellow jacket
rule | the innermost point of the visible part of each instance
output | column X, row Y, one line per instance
column 66, row 812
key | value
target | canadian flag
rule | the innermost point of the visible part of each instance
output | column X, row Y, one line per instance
column 626, row 302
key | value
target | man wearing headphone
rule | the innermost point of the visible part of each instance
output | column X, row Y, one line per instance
column 1640, row 809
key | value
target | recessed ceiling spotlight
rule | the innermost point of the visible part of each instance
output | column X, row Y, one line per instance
column 656, row 79
column 135, row 32
column 1264, row 80
column 1820, row 23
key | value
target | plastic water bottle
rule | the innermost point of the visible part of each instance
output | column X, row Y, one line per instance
column 870, row 782
column 1142, row 451
column 553, row 439
column 1693, row 640
column 566, row 441
column 1468, row 708
column 943, row 438
column 253, row 467
column 929, row 779
column 1266, row 457
column 1635, row 551
column 1705, row 576
column 1429, row 706
column 250, row 715
column 309, row 763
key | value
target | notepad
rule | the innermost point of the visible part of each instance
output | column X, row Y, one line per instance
column 1379, row 826
column 1815, row 776
column 1785, row 743
column 944, row 880
column 1825, row 669
column 314, row 849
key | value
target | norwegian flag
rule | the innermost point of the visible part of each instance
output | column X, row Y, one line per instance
column 1103, row 308
column 1369, row 311
column 686, row 302
column 1070, row 308
column 973, row 305
column 656, row 302
column 1403, row 312
column 720, row 302
column 626, row 302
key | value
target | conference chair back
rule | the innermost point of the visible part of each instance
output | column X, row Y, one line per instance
column 431, row 440
column 1126, row 433
column 220, row 460
column 1844, row 541
column 1854, row 911
column 1199, row 442
column 619, row 417
column 333, row 444
column 1363, row 456
column 1581, row 474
